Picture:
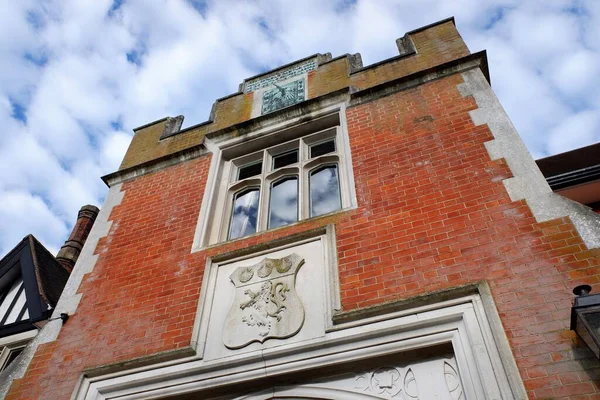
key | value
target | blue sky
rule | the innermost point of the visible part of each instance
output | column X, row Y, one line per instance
column 77, row 76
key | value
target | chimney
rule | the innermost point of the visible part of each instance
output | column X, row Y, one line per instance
column 69, row 252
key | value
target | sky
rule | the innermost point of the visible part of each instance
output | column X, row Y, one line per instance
column 76, row 76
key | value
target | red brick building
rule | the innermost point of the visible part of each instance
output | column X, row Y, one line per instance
column 333, row 231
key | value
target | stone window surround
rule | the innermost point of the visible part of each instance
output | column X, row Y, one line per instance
column 269, row 177
column 14, row 342
column 469, row 323
column 213, row 220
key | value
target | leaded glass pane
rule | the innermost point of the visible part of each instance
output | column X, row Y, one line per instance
column 283, row 208
column 285, row 159
column 245, row 213
column 324, row 191
column 250, row 170
column 322, row 148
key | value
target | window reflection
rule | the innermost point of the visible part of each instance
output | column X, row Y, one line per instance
column 324, row 191
column 245, row 212
column 283, row 208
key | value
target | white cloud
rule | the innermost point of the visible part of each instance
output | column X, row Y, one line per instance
column 24, row 214
column 575, row 131
column 17, row 39
column 539, row 36
column 375, row 31
column 590, row 25
column 576, row 73
column 78, row 76
column 113, row 150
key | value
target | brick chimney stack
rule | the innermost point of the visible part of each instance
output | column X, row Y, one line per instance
column 69, row 252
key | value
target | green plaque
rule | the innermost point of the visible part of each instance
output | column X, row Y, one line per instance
column 281, row 96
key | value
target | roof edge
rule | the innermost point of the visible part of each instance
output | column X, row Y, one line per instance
column 139, row 128
column 14, row 250
column 442, row 21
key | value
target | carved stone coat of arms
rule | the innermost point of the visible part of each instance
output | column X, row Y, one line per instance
column 266, row 304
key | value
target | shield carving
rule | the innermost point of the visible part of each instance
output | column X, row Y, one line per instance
column 266, row 304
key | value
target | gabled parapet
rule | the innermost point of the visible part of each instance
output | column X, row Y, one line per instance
column 296, row 82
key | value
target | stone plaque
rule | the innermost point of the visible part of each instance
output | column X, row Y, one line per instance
column 284, row 95
column 284, row 74
column 266, row 304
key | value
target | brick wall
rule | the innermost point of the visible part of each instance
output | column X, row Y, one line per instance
column 432, row 213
